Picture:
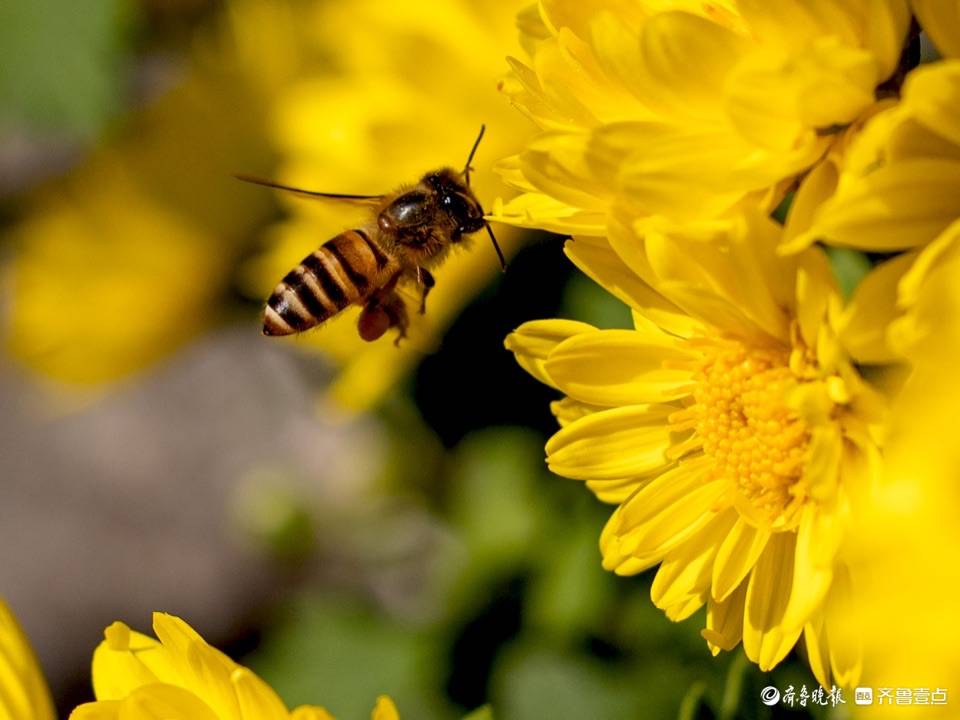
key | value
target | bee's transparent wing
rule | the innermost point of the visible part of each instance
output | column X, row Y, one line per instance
column 366, row 200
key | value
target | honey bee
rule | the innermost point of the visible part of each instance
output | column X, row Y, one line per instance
column 410, row 232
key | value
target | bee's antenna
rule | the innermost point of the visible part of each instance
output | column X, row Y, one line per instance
column 496, row 245
column 466, row 168
column 466, row 177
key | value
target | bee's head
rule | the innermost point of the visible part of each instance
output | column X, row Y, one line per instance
column 456, row 199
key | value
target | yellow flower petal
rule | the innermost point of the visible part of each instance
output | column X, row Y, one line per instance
column 610, row 548
column 736, row 557
column 612, row 443
column 670, row 509
column 620, row 367
column 684, row 608
column 679, row 172
column 616, row 490
column 101, row 710
column 618, row 53
column 814, row 288
column 819, row 185
column 793, row 24
column 728, row 276
column 818, row 538
column 596, row 259
column 578, row 16
column 555, row 164
column 888, row 22
column 818, row 651
column 567, row 410
column 896, row 207
column 862, row 327
column 823, row 463
column 532, row 343
column 940, row 19
column 711, row 309
column 579, row 98
column 23, row 689
column 775, row 100
column 686, row 571
column 844, row 630
column 256, row 699
column 165, row 702
column 765, row 640
column 677, row 82
column 204, row 670
column 125, row 660
column 384, row 709
column 725, row 621
column 536, row 210
column 937, row 254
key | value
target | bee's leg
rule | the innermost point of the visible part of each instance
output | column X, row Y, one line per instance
column 426, row 282
column 396, row 309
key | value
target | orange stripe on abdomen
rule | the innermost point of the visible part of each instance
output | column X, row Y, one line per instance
column 340, row 272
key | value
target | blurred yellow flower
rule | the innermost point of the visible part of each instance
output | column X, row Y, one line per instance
column 730, row 426
column 181, row 676
column 131, row 254
column 684, row 108
column 23, row 689
column 105, row 279
column 906, row 549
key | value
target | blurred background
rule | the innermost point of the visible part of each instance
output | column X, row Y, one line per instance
column 349, row 519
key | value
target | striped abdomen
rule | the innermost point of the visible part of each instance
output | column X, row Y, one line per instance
column 342, row 271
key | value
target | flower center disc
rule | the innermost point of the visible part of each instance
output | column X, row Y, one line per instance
column 757, row 441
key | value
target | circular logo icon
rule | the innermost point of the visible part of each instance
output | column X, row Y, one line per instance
column 770, row 695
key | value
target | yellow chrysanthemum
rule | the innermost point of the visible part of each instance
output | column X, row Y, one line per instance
column 23, row 689
column 181, row 676
column 684, row 108
column 729, row 425
column 405, row 96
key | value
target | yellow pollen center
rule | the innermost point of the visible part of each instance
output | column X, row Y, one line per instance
column 758, row 443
